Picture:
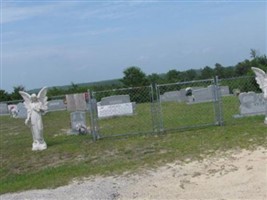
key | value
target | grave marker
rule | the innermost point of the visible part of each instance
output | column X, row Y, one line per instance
column 252, row 103
column 76, row 102
column 116, row 99
column 115, row 110
column 117, row 105
column 78, row 122
column 55, row 105
column 4, row 109
column 22, row 112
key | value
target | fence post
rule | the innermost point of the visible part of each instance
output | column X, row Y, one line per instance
column 218, row 100
column 93, row 116
column 156, row 109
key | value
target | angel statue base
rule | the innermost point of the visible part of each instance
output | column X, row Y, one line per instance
column 261, row 78
column 35, row 106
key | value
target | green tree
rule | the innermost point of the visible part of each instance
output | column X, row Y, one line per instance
column 173, row 76
column 155, row 78
column 4, row 96
column 229, row 72
column 260, row 62
column 243, row 68
column 263, row 60
column 55, row 91
column 190, row 75
column 253, row 53
column 219, row 70
column 15, row 94
column 134, row 77
column 73, row 88
column 207, row 73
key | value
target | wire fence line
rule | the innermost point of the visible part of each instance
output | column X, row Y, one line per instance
column 177, row 106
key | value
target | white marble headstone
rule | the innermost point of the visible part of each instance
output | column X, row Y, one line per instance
column 252, row 103
column 3, row 109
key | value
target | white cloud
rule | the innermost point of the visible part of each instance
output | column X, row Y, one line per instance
column 13, row 12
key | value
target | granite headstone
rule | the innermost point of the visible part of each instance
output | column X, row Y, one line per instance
column 78, row 122
column 22, row 112
column 55, row 105
column 4, row 109
column 252, row 103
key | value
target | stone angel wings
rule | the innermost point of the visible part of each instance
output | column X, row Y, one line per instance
column 261, row 78
column 41, row 98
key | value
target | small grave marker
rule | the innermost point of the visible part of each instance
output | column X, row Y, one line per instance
column 4, row 109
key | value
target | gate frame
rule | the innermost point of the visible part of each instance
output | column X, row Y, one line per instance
column 156, row 107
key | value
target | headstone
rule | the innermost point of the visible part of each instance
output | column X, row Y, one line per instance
column 197, row 95
column 115, row 110
column 22, row 112
column 182, row 95
column 13, row 110
column 176, row 96
column 55, row 105
column 116, row 99
column 78, row 122
column 203, row 94
column 70, row 102
column 206, row 94
column 4, row 109
column 171, row 96
column 224, row 90
column 252, row 103
column 80, row 102
column 76, row 102
column 116, row 105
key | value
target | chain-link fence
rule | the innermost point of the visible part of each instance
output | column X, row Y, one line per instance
column 176, row 106
column 73, row 122
column 244, row 99
column 122, row 111
column 189, row 104
column 155, row 108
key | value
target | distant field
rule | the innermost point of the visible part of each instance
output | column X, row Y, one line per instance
column 98, row 83
column 74, row 156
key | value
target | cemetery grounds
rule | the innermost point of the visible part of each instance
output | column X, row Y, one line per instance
column 72, row 158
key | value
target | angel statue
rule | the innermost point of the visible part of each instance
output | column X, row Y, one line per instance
column 35, row 106
column 261, row 78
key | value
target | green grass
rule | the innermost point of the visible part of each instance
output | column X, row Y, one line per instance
column 175, row 115
column 139, row 122
column 76, row 156
column 182, row 114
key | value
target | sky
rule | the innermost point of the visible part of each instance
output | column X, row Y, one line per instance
column 55, row 43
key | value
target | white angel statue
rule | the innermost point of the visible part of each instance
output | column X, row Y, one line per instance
column 261, row 78
column 35, row 105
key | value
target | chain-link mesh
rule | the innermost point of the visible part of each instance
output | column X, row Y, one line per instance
column 188, row 104
column 153, row 109
column 245, row 99
column 124, row 111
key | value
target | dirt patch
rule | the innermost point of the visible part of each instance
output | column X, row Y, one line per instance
column 235, row 175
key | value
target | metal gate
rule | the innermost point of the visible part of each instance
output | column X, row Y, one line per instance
column 155, row 108
column 125, row 111
column 190, row 104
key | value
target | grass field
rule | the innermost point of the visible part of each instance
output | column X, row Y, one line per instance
column 76, row 156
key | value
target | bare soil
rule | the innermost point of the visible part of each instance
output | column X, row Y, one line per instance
column 232, row 175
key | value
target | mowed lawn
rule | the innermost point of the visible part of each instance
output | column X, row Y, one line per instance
column 76, row 156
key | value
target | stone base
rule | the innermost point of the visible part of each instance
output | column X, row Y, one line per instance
column 36, row 146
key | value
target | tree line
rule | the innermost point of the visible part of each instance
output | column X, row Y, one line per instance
column 135, row 77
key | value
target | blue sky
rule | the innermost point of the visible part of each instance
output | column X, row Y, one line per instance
column 54, row 43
